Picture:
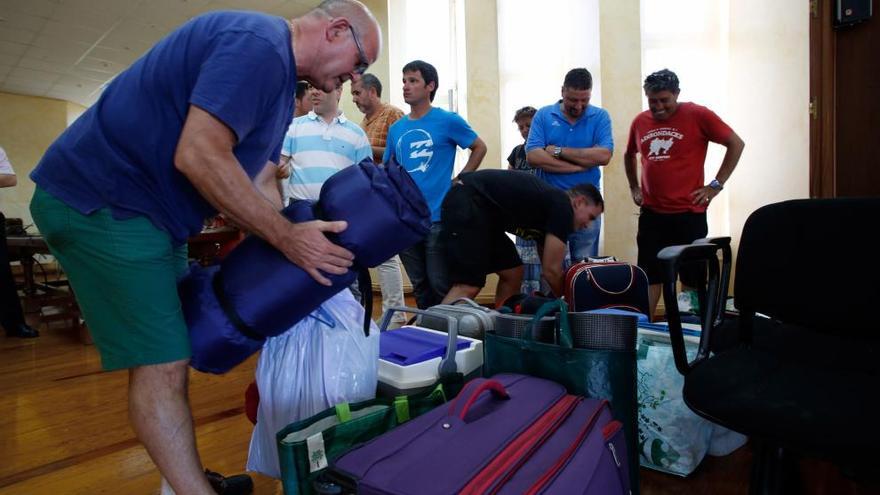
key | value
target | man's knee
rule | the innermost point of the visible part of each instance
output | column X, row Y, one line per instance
column 172, row 375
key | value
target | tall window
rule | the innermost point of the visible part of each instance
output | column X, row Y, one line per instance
column 690, row 38
column 432, row 31
column 538, row 42
column 429, row 31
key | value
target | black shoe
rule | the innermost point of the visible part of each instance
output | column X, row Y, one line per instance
column 239, row 484
column 23, row 331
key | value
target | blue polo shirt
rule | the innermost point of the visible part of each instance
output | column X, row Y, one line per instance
column 237, row 66
column 426, row 148
column 549, row 126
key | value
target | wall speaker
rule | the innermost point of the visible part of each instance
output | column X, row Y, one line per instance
column 849, row 12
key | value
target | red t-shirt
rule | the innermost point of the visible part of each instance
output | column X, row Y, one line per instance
column 673, row 153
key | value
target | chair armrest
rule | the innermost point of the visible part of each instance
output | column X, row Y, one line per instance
column 726, row 263
column 671, row 259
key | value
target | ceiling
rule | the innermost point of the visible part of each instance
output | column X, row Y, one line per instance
column 70, row 49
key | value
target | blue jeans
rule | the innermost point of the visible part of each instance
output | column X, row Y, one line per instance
column 425, row 265
column 585, row 242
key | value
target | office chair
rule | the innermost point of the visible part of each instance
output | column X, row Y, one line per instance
column 803, row 377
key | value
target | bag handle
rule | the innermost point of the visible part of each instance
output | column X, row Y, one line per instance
column 563, row 332
column 472, row 392
column 467, row 301
column 447, row 364
column 343, row 412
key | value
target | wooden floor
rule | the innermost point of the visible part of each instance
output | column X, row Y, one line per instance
column 64, row 429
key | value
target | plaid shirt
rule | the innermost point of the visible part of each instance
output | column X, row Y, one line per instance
column 377, row 127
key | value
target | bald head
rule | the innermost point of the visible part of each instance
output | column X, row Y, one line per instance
column 335, row 42
column 357, row 14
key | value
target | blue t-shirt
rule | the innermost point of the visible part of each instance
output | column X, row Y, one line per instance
column 426, row 149
column 549, row 126
column 237, row 66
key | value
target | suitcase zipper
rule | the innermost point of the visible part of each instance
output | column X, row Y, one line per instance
column 518, row 451
column 569, row 452
column 610, row 431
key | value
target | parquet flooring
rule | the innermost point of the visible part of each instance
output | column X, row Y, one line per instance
column 64, row 429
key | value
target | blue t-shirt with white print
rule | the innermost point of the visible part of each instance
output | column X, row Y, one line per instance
column 426, row 149
column 237, row 66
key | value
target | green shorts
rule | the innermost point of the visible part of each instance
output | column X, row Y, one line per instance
column 124, row 275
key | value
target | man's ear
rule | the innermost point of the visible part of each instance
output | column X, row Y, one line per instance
column 336, row 27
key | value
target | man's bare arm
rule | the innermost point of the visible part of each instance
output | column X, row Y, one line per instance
column 540, row 158
column 595, row 156
column 204, row 155
column 632, row 176
column 8, row 180
column 478, row 152
column 551, row 264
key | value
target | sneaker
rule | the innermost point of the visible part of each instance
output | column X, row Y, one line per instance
column 239, row 484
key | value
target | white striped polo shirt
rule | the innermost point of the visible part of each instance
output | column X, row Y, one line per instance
column 319, row 150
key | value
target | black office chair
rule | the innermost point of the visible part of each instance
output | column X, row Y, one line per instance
column 803, row 376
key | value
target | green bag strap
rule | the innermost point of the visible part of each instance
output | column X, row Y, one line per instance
column 564, row 331
column 401, row 403
column 401, row 408
column 343, row 412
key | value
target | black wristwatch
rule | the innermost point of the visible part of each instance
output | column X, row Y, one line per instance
column 716, row 185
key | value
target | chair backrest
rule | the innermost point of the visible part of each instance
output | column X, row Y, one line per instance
column 814, row 263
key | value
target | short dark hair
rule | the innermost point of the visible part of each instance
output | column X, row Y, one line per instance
column 301, row 88
column 578, row 79
column 428, row 72
column 524, row 112
column 588, row 191
column 371, row 81
column 662, row 80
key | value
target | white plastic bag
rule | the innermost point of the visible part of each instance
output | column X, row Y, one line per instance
column 672, row 438
column 323, row 360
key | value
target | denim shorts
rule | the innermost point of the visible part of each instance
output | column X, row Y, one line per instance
column 124, row 276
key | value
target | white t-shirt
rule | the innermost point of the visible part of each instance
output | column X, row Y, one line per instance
column 5, row 166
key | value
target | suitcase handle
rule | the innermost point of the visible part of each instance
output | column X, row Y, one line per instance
column 472, row 391
column 468, row 301
column 447, row 364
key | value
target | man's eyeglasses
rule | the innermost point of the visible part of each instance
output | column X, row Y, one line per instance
column 364, row 63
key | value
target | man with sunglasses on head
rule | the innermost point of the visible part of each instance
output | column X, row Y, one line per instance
column 117, row 197
column 672, row 139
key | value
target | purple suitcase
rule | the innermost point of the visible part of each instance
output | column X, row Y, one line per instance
column 510, row 434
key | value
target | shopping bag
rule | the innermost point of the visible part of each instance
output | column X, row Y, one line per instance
column 672, row 438
column 600, row 374
column 305, row 448
column 323, row 360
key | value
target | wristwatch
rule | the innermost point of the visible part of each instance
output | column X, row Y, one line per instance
column 557, row 152
column 716, row 185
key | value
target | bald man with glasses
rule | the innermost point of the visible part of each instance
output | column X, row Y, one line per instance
column 117, row 197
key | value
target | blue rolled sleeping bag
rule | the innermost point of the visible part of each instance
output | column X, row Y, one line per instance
column 217, row 344
column 266, row 291
column 219, row 341
column 384, row 208
column 256, row 292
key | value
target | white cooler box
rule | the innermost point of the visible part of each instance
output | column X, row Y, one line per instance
column 412, row 358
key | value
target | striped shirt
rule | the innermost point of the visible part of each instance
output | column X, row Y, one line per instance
column 318, row 150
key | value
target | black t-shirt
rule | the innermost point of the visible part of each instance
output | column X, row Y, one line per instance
column 526, row 205
column 517, row 159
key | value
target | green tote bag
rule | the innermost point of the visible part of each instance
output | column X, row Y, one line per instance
column 306, row 447
column 596, row 373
